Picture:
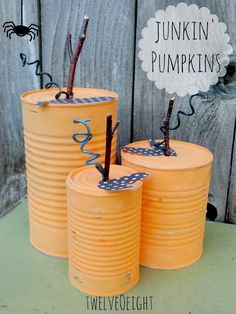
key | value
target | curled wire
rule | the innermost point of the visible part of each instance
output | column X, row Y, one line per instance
column 41, row 74
column 180, row 112
column 87, row 137
column 153, row 143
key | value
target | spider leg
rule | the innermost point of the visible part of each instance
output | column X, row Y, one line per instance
column 9, row 31
column 10, row 23
column 8, row 26
column 32, row 29
column 30, row 36
column 6, row 29
column 11, row 34
column 34, row 25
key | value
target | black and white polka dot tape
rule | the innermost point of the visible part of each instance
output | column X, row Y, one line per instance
column 75, row 100
column 161, row 147
column 155, row 151
column 123, row 183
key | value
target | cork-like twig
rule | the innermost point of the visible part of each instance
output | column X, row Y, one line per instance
column 166, row 128
column 110, row 131
column 75, row 56
column 100, row 168
column 69, row 46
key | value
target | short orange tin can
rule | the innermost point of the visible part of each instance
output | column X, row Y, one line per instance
column 103, row 233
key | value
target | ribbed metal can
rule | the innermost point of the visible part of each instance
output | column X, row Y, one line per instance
column 174, row 204
column 103, row 233
column 51, row 154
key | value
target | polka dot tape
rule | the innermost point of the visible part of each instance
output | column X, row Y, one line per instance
column 156, row 150
column 75, row 100
column 123, row 183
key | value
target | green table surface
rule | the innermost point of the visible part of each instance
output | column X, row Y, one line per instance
column 33, row 283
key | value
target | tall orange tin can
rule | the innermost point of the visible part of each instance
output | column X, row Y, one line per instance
column 51, row 154
column 174, row 204
column 103, row 233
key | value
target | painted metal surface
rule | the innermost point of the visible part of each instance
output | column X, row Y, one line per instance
column 103, row 233
column 51, row 154
column 174, row 204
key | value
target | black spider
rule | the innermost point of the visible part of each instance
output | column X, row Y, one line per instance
column 21, row 30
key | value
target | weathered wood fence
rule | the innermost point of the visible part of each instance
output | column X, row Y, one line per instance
column 109, row 60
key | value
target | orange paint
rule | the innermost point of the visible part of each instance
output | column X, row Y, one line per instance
column 174, row 204
column 51, row 154
column 103, row 233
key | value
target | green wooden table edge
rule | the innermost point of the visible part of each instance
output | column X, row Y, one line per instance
column 31, row 282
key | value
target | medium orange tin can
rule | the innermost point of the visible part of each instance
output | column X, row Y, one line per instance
column 174, row 204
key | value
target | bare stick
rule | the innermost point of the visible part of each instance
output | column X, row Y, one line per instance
column 108, row 147
column 166, row 127
column 109, row 137
column 75, row 57
column 115, row 128
column 100, row 168
column 69, row 46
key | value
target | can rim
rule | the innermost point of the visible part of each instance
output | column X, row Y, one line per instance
column 161, row 167
column 93, row 189
column 25, row 97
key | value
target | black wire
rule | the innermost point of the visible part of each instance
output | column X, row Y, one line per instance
column 180, row 112
column 41, row 74
column 21, row 12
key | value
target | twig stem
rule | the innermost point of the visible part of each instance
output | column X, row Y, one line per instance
column 75, row 57
column 69, row 46
column 166, row 127
column 109, row 137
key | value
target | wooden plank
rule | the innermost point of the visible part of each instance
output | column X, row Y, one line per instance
column 212, row 126
column 149, row 102
column 14, row 80
column 231, row 206
column 208, row 126
column 107, row 57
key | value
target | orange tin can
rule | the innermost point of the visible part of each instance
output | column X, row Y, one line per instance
column 51, row 154
column 174, row 204
column 103, row 233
